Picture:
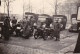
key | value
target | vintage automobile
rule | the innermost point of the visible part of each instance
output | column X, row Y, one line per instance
column 62, row 19
column 43, row 29
column 78, row 17
column 73, row 27
column 75, row 21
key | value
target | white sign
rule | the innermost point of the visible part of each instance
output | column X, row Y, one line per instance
column 0, row 35
column 78, row 16
column 0, row 28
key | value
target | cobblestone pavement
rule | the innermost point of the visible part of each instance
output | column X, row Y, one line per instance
column 68, row 49
column 18, row 45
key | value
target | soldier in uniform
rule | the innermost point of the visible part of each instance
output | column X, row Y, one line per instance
column 14, row 21
column 6, row 28
column 57, row 30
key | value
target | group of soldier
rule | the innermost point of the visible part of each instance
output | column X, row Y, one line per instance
column 26, row 26
column 6, row 27
column 10, row 26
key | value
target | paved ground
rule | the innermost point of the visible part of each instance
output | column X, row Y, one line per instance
column 18, row 45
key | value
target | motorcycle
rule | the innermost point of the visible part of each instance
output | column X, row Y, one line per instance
column 18, row 30
column 48, row 32
column 27, row 33
column 40, row 33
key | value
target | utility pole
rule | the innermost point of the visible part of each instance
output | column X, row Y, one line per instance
column 23, row 9
column 29, row 6
column 4, row 5
column 31, row 9
column 43, row 6
column 8, row 8
column 0, row 5
column 8, row 5
column 56, row 8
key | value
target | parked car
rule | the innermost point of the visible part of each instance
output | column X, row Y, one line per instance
column 62, row 20
column 73, row 27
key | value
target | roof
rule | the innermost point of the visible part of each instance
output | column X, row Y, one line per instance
column 3, row 14
column 60, row 16
column 46, row 15
column 28, row 13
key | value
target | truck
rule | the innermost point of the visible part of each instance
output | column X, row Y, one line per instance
column 75, row 21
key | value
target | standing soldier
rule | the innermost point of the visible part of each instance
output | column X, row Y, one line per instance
column 14, row 21
column 57, row 30
column 6, row 28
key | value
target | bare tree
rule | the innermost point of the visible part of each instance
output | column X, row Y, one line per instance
column 8, row 5
column 55, row 6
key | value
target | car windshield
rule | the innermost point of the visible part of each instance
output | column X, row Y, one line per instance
column 42, row 18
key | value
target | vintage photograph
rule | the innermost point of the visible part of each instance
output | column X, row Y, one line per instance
column 39, row 26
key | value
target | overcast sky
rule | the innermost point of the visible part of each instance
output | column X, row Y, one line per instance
column 16, row 7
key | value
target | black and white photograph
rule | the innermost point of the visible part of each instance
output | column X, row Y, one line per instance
column 39, row 26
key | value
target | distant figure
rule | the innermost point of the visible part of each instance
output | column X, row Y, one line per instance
column 6, row 28
column 31, row 21
column 57, row 30
column 24, row 22
column 14, row 21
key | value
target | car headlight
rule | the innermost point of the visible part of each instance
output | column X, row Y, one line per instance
column 21, row 30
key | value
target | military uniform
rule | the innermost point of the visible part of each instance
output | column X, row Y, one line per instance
column 14, row 21
column 57, row 31
column 6, row 31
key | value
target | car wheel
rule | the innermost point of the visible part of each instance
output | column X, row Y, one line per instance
column 35, row 36
column 45, row 36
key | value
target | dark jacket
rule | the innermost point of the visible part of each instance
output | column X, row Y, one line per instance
column 14, row 21
column 6, row 28
column 57, row 27
column 7, row 23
